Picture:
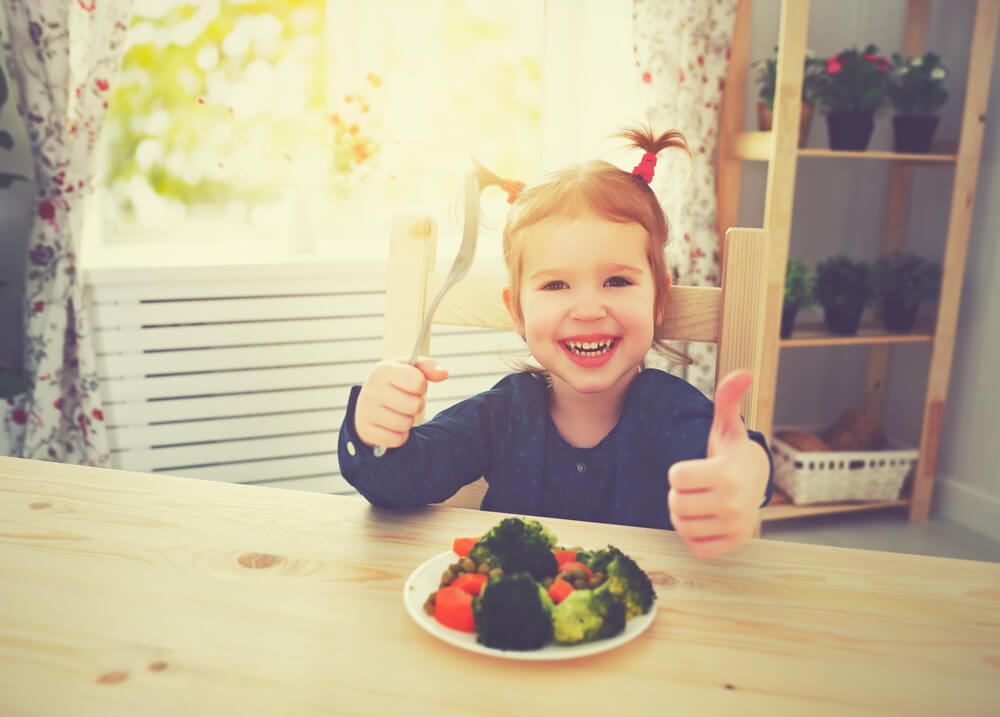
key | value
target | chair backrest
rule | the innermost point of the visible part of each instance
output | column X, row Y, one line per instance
column 731, row 316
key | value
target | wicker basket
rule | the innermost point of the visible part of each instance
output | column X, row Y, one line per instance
column 829, row 477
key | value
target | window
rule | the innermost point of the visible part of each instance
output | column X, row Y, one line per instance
column 268, row 123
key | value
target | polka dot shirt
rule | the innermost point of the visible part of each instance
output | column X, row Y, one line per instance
column 507, row 436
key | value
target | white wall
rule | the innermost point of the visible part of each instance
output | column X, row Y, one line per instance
column 968, row 470
column 839, row 208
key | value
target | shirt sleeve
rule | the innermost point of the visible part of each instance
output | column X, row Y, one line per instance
column 438, row 458
column 759, row 438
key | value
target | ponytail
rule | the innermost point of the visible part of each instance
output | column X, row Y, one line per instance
column 644, row 139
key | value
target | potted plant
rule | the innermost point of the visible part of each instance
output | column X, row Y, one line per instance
column 916, row 91
column 798, row 294
column 902, row 282
column 849, row 90
column 767, row 73
column 844, row 288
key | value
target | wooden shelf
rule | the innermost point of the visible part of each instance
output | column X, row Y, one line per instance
column 757, row 146
column 818, row 335
column 779, row 150
column 876, row 154
column 781, row 508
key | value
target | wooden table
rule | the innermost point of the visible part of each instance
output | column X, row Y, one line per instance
column 133, row 594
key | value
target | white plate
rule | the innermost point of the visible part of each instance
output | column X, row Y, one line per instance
column 427, row 578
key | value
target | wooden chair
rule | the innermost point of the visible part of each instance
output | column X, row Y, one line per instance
column 731, row 316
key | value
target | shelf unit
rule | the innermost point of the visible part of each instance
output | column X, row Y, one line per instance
column 779, row 148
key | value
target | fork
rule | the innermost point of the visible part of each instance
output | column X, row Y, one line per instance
column 459, row 268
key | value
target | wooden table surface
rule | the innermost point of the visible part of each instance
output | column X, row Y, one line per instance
column 133, row 594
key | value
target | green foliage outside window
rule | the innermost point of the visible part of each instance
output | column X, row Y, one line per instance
column 460, row 83
column 159, row 78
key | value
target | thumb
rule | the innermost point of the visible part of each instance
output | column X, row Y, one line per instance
column 726, row 421
column 431, row 370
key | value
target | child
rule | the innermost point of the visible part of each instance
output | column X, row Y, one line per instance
column 594, row 436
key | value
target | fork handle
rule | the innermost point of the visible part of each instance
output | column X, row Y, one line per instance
column 451, row 279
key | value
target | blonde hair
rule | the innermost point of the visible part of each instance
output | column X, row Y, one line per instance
column 611, row 193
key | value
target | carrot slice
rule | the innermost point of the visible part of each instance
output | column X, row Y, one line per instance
column 559, row 590
column 453, row 608
column 565, row 556
column 472, row 583
column 462, row 546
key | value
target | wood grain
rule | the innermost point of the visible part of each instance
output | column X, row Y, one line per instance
column 741, row 337
column 128, row 594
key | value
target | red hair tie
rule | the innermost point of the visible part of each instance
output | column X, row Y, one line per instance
column 513, row 188
column 645, row 167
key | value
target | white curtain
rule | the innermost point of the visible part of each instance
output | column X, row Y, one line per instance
column 681, row 55
column 64, row 58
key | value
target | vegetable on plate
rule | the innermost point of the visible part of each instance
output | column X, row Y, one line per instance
column 517, row 592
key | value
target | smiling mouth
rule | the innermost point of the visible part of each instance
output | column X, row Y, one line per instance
column 590, row 348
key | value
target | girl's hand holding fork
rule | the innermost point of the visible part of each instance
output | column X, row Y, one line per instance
column 391, row 398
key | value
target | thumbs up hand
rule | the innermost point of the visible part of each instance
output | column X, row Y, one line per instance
column 714, row 501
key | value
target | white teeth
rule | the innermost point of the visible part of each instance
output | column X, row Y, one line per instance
column 590, row 348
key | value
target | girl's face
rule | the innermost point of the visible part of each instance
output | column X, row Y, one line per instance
column 587, row 301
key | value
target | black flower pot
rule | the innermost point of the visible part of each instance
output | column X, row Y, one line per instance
column 914, row 133
column 897, row 316
column 850, row 130
column 788, row 321
column 842, row 320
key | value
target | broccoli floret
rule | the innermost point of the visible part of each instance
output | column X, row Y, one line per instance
column 586, row 615
column 596, row 560
column 627, row 579
column 513, row 612
column 516, row 545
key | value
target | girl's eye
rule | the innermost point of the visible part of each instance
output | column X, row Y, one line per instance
column 618, row 281
column 554, row 285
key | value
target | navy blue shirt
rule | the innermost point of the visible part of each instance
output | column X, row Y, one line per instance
column 507, row 436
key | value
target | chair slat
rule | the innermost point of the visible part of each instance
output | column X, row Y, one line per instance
column 743, row 303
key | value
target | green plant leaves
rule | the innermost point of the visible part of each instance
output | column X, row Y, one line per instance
column 841, row 282
column 907, row 278
column 916, row 85
column 798, row 286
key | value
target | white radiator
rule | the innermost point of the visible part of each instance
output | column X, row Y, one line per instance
column 242, row 373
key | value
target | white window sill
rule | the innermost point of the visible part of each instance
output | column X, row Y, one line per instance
column 130, row 263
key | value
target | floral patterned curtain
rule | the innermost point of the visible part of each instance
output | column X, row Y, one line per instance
column 64, row 57
column 681, row 54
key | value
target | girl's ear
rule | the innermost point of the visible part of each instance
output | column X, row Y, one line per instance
column 515, row 316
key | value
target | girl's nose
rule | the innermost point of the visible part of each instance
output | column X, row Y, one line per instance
column 588, row 308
